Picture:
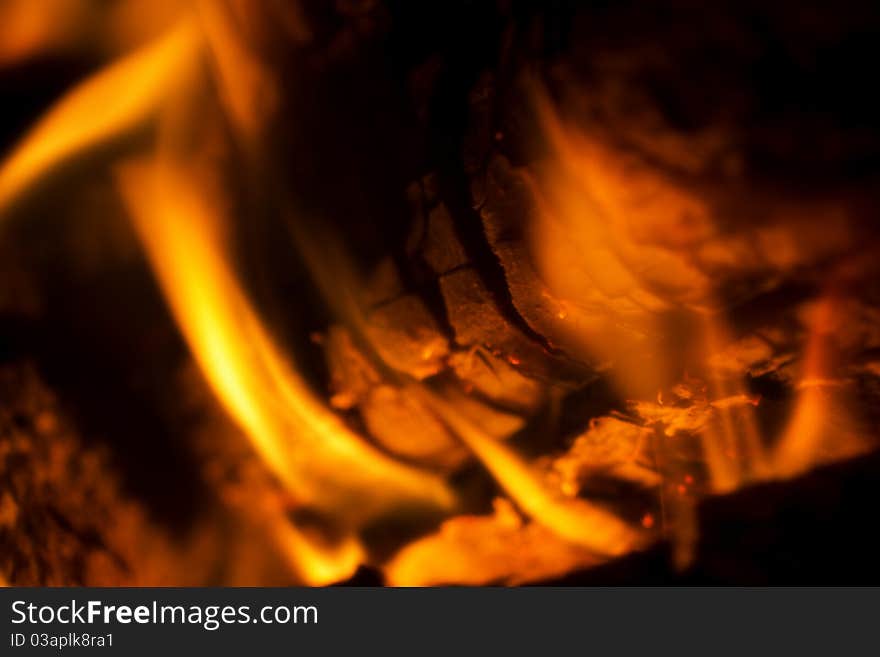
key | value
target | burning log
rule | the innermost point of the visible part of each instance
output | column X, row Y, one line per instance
column 809, row 530
column 530, row 307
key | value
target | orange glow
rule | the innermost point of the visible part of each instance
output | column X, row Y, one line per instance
column 247, row 91
column 575, row 520
column 35, row 28
column 600, row 243
column 105, row 108
column 624, row 255
column 320, row 460
column 32, row 26
column 623, row 247
column 180, row 219
column 820, row 410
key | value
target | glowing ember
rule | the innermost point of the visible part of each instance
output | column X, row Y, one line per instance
column 580, row 330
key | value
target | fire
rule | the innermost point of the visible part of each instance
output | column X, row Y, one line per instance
column 620, row 244
column 631, row 265
column 302, row 441
column 180, row 221
column 572, row 519
column 34, row 28
column 821, row 409
column 103, row 110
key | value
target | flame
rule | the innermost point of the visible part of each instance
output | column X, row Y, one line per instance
column 306, row 445
column 575, row 520
column 36, row 28
column 820, row 410
column 601, row 243
column 618, row 245
column 105, row 108
column 180, row 220
column 621, row 246
column 246, row 90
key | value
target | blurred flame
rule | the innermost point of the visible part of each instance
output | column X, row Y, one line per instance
column 613, row 243
column 821, row 427
column 573, row 519
column 246, row 89
column 37, row 28
column 307, row 445
column 617, row 244
column 108, row 106
column 180, row 219
column 34, row 26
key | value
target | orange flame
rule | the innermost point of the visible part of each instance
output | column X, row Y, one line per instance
column 105, row 108
column 180, row 221
column 618, row 245
column 307, row 446
column 572, row 519
column 613, row 242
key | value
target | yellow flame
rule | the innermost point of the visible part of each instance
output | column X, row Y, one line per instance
column 314, row 560
column 305, row 444
column 246, row 89
column 180, row 220
column 573, row 519
column 611, row 244
column 36, row 28
column 110, row 105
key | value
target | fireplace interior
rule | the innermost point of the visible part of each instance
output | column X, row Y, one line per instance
column 495, row 292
